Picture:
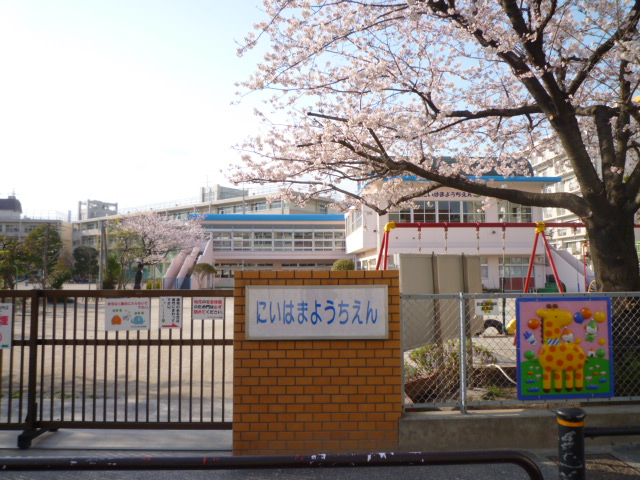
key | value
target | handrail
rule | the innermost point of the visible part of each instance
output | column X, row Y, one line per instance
column 250, row 462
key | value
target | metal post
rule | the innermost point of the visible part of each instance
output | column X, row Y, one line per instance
column 463, row 356
column 571, row 459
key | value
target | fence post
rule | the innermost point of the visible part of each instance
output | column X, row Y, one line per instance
column 571, row 459
column 463, row 355
column 24, row 439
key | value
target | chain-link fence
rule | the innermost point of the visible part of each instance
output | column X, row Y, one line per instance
column 438, row 372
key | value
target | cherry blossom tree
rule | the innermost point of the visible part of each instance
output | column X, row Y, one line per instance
column 377, row 90
column 148, row 238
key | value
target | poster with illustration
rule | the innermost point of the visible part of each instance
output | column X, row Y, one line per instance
column 564, row 348
column 127, row 314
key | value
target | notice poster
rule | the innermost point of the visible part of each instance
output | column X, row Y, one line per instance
column 564, row 348
column 6, row 321
column 170, row 312
column 208, row 308
column 123, row 314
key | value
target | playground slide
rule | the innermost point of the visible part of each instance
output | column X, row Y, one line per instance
column 571, row 270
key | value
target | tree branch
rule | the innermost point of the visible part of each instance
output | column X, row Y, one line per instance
column 627, row 26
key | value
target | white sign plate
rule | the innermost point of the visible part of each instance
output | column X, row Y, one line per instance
column 316, row 312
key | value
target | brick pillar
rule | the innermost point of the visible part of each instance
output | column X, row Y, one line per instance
column 316, row 396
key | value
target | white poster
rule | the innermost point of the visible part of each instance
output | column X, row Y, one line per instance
column 208, row 307
column 170, row 312
column 317, row 312
column 127, row 314
column 6, row 321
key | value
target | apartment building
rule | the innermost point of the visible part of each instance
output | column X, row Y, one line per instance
column 13, row 223
column 572, row 240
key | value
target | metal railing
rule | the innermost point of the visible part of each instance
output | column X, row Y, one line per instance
column 438, row 372
column 251, row 462
column 66, row 370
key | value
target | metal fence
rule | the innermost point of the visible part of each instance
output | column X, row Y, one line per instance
column 439, row 373
column 65, row 370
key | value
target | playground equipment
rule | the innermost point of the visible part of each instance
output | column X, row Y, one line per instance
column 540, row 228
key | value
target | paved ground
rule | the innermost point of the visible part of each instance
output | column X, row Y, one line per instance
column 621, row 462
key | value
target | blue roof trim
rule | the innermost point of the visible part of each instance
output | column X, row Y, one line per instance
column 519, row 178
column 235, row 217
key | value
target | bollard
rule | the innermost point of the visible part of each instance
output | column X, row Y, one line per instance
column 571, row 460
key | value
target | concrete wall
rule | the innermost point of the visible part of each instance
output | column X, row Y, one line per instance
column 309, row 396
column 426, row 274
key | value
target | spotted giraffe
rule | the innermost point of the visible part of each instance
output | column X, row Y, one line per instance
column 559, row 360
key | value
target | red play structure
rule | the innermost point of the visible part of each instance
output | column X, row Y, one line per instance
column 540, row 228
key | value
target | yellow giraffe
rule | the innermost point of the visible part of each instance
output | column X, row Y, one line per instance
column 559, row 359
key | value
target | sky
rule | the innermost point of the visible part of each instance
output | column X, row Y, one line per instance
column 123, row 101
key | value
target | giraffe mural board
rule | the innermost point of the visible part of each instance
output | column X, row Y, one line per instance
column 564, row 347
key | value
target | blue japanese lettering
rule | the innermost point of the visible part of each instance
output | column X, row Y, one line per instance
column 315, row 316
column 332, row 309
column 372, row 313
column 356, row 315
column 343, row 312
column 302, row 308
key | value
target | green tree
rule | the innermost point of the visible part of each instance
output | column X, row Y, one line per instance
column 85, row 263
column 112, row 273
column 11, row 261
column 42, row 251
column 202, row 271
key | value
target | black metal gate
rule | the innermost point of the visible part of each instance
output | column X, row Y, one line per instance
column 65, row 370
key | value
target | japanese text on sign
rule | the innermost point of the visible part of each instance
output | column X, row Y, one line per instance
column 316, row 312
column 170, row 312
column 208, row 307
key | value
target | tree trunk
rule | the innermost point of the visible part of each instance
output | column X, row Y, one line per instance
column 613, row 252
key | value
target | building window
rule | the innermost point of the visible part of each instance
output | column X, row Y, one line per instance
column 426, row 212
column 353, row 221
column 484, row 268
column 402, row 216
column 513, row 213
column 441, row 211
column 513, row 273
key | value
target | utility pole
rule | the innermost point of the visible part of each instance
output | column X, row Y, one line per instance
column 103, row 253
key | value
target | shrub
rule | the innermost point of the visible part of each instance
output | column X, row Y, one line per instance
column 343, row 264
column 432, row 372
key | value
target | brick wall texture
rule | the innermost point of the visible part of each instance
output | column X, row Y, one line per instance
column 316, row 396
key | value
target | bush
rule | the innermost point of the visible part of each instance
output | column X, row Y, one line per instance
column 343, row 264
column 430, row 359
column 432, row 372
column 153, row 285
